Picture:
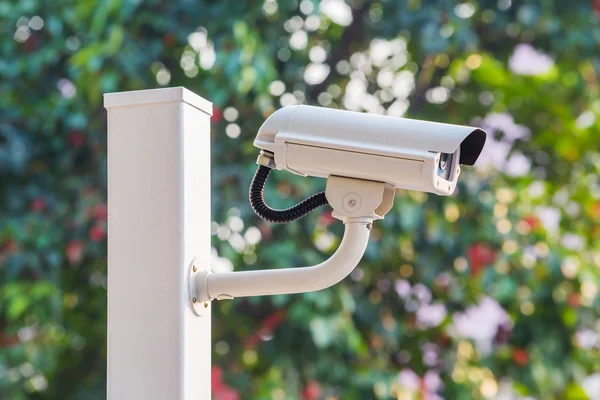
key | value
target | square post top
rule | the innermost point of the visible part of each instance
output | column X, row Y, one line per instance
column 164, row 95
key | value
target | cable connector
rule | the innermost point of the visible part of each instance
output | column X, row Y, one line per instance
column 266, row 159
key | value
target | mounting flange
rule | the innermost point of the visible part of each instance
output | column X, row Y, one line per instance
column 198, row 273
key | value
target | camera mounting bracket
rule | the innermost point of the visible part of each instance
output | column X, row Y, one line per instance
column 356, row 202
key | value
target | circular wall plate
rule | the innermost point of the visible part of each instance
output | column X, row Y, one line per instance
column 198, row 273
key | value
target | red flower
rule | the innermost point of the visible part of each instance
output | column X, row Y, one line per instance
column 574, row 300
column 74, row 251
column 226, row 393
column 169, row 39
column 480, row 256
column 532, row 221
column 5, row 249
column 520, row 357
column 312, row 391
column 216, row 378
column 38, row 204
column 219, row 389
column 76, row 139
column 443, row 339
column 9, row 246
column 31, row 43
column 266, row 326
column 7, row 340
column 97, row 233
column 273, row 320
column 595, row 209
column 217, row 115
column 326, row 218
column 100, row 211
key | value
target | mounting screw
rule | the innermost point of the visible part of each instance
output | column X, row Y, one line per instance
column 194, row 300
column 205, row 304
column 194, row 268
column 369, row 226
column 352, row 203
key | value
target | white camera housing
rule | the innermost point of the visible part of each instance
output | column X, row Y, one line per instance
column 405, row 153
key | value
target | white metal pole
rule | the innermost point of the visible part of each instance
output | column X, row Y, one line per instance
column 158, row 226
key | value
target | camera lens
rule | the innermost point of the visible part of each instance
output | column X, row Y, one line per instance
column 444, row 165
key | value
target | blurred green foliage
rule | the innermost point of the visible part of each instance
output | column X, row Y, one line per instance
column 491, row 291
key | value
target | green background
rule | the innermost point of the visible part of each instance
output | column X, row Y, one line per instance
column 490, row 292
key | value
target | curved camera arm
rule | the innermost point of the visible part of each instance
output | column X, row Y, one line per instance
column 227, row 285
column 356, row 202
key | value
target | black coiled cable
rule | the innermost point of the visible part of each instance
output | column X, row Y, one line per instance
column 257, row 201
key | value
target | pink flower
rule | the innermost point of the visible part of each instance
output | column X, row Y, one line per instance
column 408, row 379
column 493, row 155
column 432, row 381
column 505, row 123
column 428, row 386
column 422, row 293
column 430, row 354
column 431, row 315
column 481, row 323
column 38, row 204
column 100, row 211
column 402, row 287
column 97, row 233
column 572, row 241
column 219, row 389
column 226, row 393
column 526, row 60
column 517, row 165
column 586, row 338
column 74, row 251
column 591, row 386
column 549, row 217
column 312, row 391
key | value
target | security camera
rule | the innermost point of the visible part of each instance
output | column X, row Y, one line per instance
column 365, row 158
column 405, row 153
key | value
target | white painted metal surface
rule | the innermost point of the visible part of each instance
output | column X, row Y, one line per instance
column 228, row 285
column 405, row 153
column 356, row 202
column 158, row 223
column 363, row 132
